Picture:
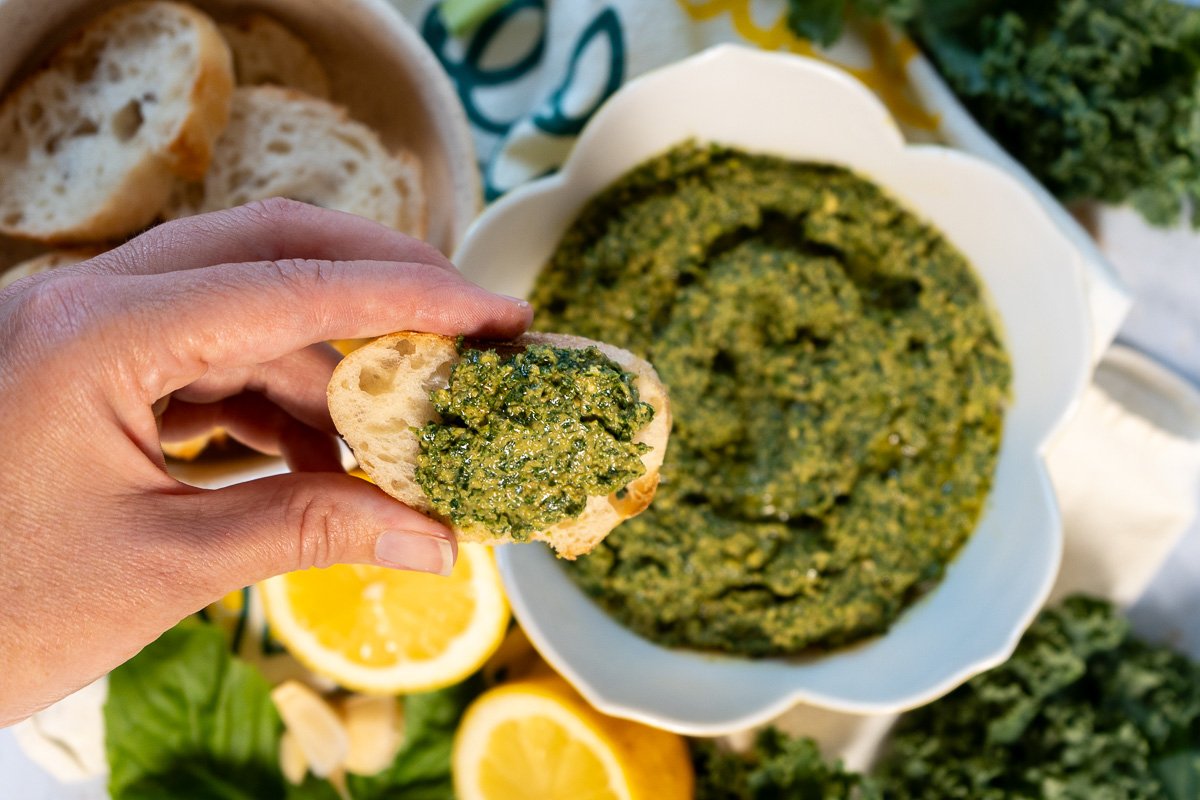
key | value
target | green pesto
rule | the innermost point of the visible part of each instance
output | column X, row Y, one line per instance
column 524, row 440
column 838, row 389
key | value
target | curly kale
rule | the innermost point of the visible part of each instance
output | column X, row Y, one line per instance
column 778, row 767
column 823, row 21
column 1100, row 99
column 1081, row 710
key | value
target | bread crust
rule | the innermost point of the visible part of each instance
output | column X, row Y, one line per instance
column 190, row 153
column 380, row 393
column 283, row 142
column 132, row 198
column 266, row 52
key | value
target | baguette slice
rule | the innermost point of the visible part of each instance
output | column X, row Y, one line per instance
column 282, row 143
column 46, row 261
column 91, row 144
column 380, row 393
column 265, row 52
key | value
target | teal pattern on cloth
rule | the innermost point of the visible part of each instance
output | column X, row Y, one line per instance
column 506, row 50
column 532, row 74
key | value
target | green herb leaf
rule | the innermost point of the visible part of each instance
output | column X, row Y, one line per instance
column 1099, row 99
column 1081, row 710
column 1179, row 774
column 820, row 21
column 777, row 767
column 312, row 789
column 185, row 719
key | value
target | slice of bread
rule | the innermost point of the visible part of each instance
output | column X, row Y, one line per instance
column 265, row 52
column 46, row 261
column 90, row 145
column 380, row 393
column 282, row 143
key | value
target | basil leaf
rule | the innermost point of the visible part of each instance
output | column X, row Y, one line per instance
column 184, row 718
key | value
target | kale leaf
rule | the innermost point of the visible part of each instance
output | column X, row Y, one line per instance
column 822, row 21
column 778, row 767
column 1099, row 99
column 1081, row 710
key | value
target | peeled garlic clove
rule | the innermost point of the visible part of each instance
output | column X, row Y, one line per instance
column 292, row 762
column 317, row 729
column 374, row 728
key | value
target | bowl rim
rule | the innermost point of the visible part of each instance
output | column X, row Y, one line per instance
column 888, row 133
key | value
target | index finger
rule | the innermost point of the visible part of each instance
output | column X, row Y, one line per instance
column 235, row 315
column 267, row 230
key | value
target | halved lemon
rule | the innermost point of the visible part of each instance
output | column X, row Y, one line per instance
column 385, row 631
column 537, row 738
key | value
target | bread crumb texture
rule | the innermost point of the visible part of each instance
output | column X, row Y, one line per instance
column 91, row 143
column 283, row 143
column 380, row 396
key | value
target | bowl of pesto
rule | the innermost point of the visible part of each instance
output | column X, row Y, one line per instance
column 867, row 345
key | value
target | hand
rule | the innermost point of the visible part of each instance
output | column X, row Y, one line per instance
column 100, row 549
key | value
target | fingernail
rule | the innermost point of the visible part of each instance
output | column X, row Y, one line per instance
column 516, row 300
column 420, row 552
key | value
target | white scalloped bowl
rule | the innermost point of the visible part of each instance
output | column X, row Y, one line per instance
column 804, row 110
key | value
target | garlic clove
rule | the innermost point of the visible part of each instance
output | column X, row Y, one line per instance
column 292, row 762
column 374, row 727
column 316, row 727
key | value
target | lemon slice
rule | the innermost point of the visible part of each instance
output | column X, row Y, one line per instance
column 538, row 738
column 385, row 631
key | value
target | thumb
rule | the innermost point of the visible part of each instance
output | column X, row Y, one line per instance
column 251, row 531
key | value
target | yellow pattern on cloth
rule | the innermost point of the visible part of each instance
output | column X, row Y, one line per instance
column 530, row 75
column 885, row 76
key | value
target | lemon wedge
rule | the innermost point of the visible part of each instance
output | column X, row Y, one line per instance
column 383, row 631
column 537, row 738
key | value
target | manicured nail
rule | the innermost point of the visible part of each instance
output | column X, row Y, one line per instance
column 420, row 552
column 516, row 300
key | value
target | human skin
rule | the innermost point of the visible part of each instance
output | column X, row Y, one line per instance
column 218, row 319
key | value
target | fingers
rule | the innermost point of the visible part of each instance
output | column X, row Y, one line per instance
column 257, row 423
column 250, row 531
column 239, row 315
column 271, row 230
column 296, row 383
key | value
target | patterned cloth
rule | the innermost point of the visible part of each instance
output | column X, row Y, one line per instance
column 533, row 73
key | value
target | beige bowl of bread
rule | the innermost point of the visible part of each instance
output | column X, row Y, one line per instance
column 359, row 55
column 380, row 395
